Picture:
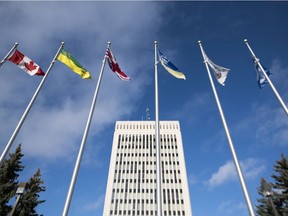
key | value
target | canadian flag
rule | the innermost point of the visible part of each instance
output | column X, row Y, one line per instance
column 25, row 63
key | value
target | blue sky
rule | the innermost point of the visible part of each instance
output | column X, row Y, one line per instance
column 52, row 133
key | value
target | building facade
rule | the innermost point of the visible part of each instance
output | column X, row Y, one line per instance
column 131, row 185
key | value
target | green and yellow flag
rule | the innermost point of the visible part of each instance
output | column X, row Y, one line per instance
column 73, row 64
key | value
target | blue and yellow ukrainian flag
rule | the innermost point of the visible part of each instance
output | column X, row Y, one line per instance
column 170, row 67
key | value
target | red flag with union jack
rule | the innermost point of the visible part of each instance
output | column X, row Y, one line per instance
column 25, row 63
column 114, row 65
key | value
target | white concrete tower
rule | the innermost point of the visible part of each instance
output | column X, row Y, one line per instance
column 131, row 185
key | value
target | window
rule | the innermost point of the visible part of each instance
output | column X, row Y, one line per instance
column 173, row 200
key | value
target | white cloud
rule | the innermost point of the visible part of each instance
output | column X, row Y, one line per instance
column 225, row 173
column 270, row 126
column 266, row 122
column 280, row 76
column 192, row 179
column 55, row 124
column 98, row 203
column 251, row 168
column 231, row 207
column 50, row 133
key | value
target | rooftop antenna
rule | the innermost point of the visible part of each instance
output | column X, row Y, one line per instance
column 147, row 114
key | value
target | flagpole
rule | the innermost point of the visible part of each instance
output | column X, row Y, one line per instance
column 237, row 165
column 268, row 79
column 157, row 131
column 11, row 50
column 18, row 127
column 82, row 146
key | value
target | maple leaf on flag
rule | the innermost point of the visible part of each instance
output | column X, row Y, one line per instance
column 31, row 66
column 25, row 63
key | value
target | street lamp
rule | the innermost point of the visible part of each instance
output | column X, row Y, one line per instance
column 20, row 191
column 267, row 192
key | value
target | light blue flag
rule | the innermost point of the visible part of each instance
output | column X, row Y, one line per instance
column 170, row 67
column 261, row 79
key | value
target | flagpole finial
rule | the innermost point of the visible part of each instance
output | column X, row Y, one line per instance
column 155, row 42
column 245, row 40
column 199, row 41
column 16, row 43
column 62, row 44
